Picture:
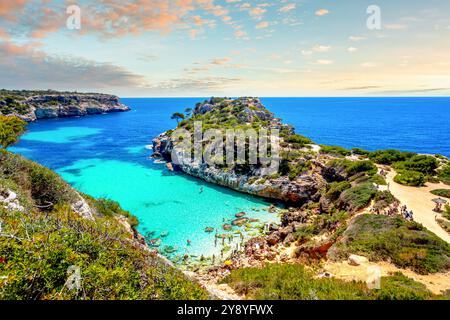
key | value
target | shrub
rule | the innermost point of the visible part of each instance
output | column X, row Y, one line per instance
column 446, row 212
column 110, row 208
column 389, row 156
column 298, row 168
column 357, row 197
column 10, row 130
column 336, row 188
column 378, row 179
column 404, row 243
column 444, row 174
column 360, row 152
column 383, row 199
column 298, row 140
column 410, row 178
column 47, row 188
column 335, row 150
column 366, row 166
column 419, row 163
column 441, row 192
column 294, row 282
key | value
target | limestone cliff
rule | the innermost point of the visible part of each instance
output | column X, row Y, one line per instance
column 33, row 105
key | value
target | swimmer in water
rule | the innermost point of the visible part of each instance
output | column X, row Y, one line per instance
column 188, row 242
column 201, row 189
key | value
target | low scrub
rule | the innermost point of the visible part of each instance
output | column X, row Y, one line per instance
column 406, row 244
column 357, row 197
column 410, row 178
column 294, row 282
column 335, row 150
column 441, row 192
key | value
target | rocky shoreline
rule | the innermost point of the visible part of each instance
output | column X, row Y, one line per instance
column 31, row 106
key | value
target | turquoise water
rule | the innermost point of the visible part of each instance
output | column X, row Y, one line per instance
column 106, row 155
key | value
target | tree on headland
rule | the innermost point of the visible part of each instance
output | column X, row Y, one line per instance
column 177, row 116
column 10, row 130
column 188, row 112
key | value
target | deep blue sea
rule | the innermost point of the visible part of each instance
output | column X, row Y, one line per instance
column 106, row 156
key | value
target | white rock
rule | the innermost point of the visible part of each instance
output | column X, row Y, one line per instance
column 355, row 260
column 82, row 208
column 15, row 206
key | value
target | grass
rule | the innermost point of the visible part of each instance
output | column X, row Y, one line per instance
column 406, row 244
column 295, row 282
column 357, row 197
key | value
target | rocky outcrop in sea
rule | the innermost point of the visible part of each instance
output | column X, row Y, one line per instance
column 303, row 189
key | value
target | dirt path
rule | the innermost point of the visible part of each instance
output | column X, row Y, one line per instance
column 418, row 199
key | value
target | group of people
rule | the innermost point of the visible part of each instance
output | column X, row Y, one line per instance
column 438, row 208
column 394, row 209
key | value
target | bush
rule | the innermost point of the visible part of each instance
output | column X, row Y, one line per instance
column 410, row 178
column 357, row 197
column 378, row 179
column 406, row 244
column 419, row 163
column 294, row 282
column 336, row 188
column 10, row 130
column 366, row 166
column 298, row 140
column 335, row 150
column 110, row 208
column 444, row 174
column 441, row 193
column 47, row 188
column 360, row 152
column 390, row 156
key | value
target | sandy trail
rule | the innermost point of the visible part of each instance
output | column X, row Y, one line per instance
column 419, row 201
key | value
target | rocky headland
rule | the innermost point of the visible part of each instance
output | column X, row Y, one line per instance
column 32, row 105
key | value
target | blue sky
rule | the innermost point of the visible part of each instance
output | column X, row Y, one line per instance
column 227, row 47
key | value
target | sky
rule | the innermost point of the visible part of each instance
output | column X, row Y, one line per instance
column 155, row 48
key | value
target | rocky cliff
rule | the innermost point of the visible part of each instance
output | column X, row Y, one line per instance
column 33, row 105
column 245, row 113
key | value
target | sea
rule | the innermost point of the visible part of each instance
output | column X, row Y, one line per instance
column 108, row 156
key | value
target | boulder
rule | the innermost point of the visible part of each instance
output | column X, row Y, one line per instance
column 355, row 260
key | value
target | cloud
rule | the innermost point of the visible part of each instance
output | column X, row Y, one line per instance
column 352, row 49
column 220, row 61
column 262, row 25
column 369, row 65
column 288, row 7
column 395, row 26
column 356, row 38
column 193, row 84
column 240, row 34
column 321, row 48
column 324, row 62
column 257, row 12
column 322, row 12
column 27, row 67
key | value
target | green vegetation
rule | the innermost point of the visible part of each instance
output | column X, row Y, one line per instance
column 444, row 174
column 177, row 116
column 418, row 163
column 10, row 130
column 335, row 150
column 441, row 192
column 298, row 141
column 383, row 199
column 49, row 237
column 357, row 197
column 446, row 212
column 360, row 152
column 390, row 156
column 406, row 244
column 444, row 224
column 410, row 178
column 109, row 208
column 294, row 282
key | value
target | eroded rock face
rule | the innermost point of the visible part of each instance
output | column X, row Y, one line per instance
column 69, row 105
column 303, row 189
